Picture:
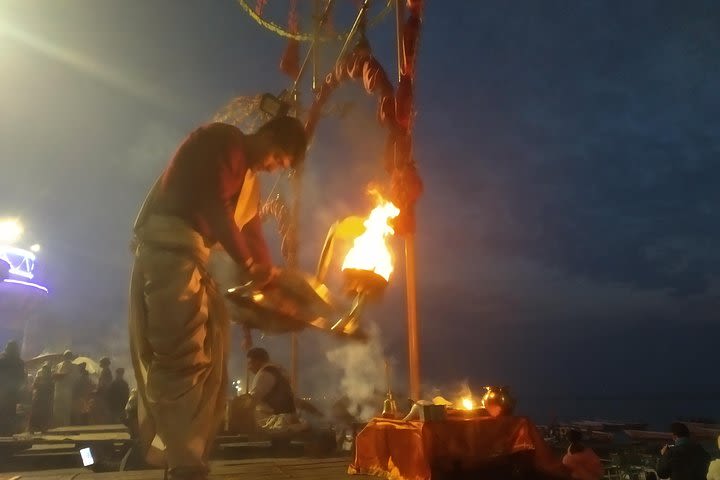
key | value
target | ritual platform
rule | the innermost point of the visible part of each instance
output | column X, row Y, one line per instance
column 254, row 469
column 454, row 448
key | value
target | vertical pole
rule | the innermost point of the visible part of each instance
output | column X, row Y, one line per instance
column 399, row 17
column 412, row 319
column 294, row 233
column 294, row 362
column 316, row 44
column 410, row 276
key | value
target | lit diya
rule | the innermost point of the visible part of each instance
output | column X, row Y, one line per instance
column 368, row 265
column 294, row 301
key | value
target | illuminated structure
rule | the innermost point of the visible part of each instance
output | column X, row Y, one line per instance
column 22, row 297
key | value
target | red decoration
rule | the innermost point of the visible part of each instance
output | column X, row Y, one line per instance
column 259, row 6
column 290, row 61
column 395, row 111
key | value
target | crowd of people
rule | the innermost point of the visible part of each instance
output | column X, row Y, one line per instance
column 681, row 459
column 58, row 395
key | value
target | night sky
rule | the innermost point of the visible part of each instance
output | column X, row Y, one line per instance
column 567, row 238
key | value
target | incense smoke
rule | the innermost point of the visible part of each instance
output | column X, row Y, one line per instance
column 363, row 374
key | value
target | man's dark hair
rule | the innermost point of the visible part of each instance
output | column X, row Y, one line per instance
column 679, row 430
column 288, row 134
column 259, row 354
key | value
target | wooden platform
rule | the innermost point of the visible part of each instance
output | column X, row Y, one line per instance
column 256, row 469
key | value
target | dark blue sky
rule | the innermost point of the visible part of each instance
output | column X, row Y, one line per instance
column 568, row 233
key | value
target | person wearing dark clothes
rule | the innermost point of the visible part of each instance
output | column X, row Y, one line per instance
column 42, row 400
column 685, row 459
column 272, row 394
column 82, row 397
column 12, row 381
column 118, row 394
column 99, row 409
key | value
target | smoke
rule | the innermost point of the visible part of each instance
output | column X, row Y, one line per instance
column 362, row 366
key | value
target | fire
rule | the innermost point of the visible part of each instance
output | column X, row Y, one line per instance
column 370, row 251
column 468, row 403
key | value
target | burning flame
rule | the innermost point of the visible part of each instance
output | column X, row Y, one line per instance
column 370, row 252
column 468, row 403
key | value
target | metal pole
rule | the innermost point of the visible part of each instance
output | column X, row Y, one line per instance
column 410, row 276
column 294, row 362
column 359, row 18
column 412, row 319
column 313, row 45
column 399, row 17
column 296, row 186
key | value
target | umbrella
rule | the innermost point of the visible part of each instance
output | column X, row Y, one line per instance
column 92, row 366
column 36, row 362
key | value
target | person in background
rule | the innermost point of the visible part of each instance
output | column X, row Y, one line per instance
column 582, row 461
column 99, row 408
column 713, row 472
column 65, row 376
column 272, row 395
column 82, row 397
column 106, row 376
column 118, row 395
column 684, row 459
column 42, row 400
column 12, row 382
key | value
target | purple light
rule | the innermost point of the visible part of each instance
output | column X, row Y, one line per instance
column 26, row 284
column 21, row 261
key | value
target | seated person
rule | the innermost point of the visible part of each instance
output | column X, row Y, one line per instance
column 272, row 396
column 685, row 459
column 582, row 462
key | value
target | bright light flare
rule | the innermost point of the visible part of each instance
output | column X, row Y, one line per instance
column 35, row 248
column 10, row 230
column 370, row 251
column 468, row 403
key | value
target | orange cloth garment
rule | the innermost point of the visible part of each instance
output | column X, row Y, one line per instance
column 584, row 465
column 410, row 450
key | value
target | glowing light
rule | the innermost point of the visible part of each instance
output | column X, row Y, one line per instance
column 26, row 284
column 21, row 261
column 370, row 251
column 10, row 230
column 35, row 248
column 468, row 403
column 237, row 384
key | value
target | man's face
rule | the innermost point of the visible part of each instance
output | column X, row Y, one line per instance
column 275, row 160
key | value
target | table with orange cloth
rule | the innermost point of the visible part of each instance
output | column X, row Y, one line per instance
column 401, row 450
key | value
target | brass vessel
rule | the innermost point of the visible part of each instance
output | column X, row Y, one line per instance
column 296, row 300
column 498, row 401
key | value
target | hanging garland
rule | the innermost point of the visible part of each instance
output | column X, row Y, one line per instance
column 256, row 14
column 395, row 111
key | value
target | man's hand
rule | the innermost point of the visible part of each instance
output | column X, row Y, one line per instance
column 664, row 450
column 262, row 274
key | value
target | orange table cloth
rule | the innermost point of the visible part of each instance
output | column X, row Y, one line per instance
column 409, row 450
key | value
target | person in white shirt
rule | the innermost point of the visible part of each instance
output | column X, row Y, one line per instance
column 272, row 395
